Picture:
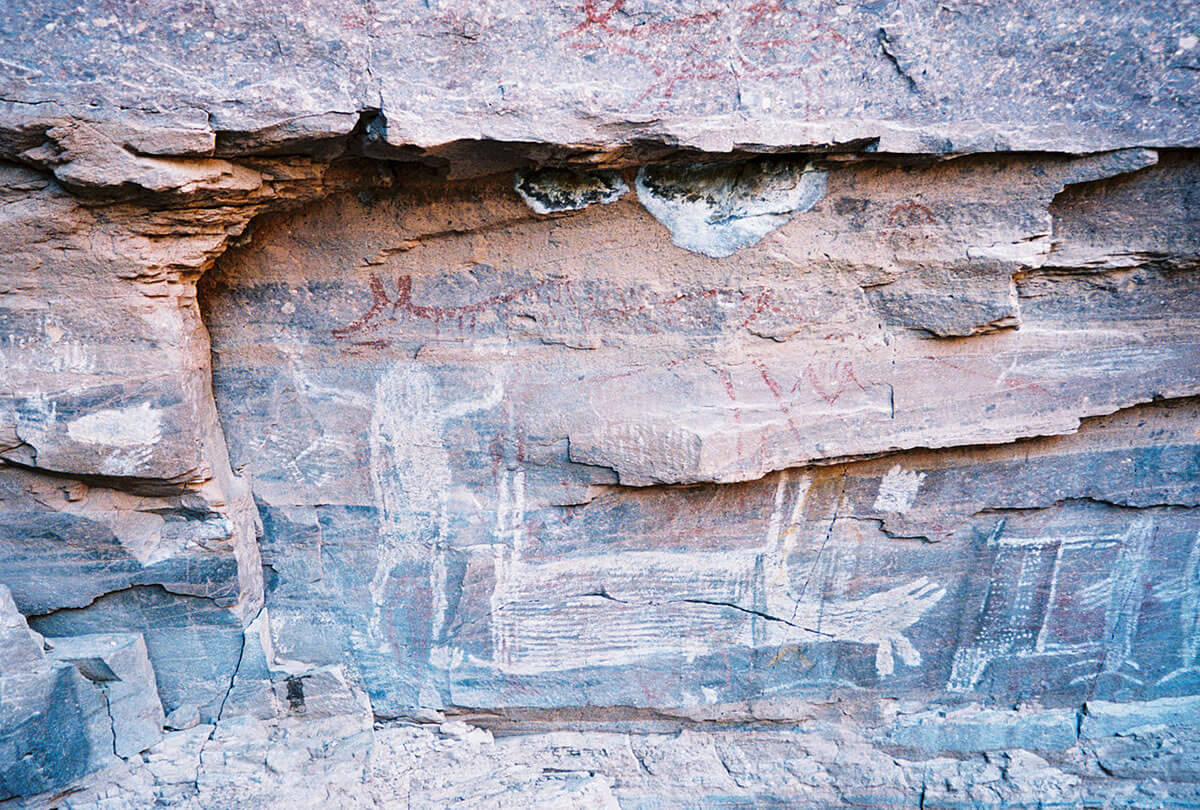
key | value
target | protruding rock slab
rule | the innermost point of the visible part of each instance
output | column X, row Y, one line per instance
column 119, row 666
column 972, row 729
column 54, row 724
column 904, row 78
column 20, row 647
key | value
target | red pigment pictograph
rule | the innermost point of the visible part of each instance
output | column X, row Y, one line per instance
column 462, row 316
column 909, row 213
column 769, row 39
column 831, row 382
column 907, row 224
column 777, row 392
column 559, row 300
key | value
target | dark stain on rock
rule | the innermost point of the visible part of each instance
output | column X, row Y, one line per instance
column 295, row 694
column 550, row 191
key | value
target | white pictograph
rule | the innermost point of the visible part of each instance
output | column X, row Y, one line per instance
column 1186, row 588
column 545, row 614
column 898, row 490
column 411, row 476
column 1029, row 611
column 655, row 603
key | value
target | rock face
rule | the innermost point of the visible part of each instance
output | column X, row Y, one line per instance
column 485, row 431
column 87, row 704
column 717, row 209
column 632, row 405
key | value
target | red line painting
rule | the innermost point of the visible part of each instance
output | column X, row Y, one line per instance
column 556, row 301
column 908, row 224
column 831, row 382
column 777, row 392
column 768, row 39
column 379, row 304
column 727, row 383
column 909, row 213
column 463, row 315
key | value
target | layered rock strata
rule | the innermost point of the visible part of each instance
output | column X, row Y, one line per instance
column 623, row 406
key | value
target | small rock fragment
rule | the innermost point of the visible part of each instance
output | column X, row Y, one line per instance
column 550, row 191
column 184, row 717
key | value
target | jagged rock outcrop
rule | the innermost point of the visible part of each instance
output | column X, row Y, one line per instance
column 71, row 705
column 623, row 405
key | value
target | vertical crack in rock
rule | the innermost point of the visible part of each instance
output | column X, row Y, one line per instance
column 888, row 48
column 718, row 208
column 112, row 722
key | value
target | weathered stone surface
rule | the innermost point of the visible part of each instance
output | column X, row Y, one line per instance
column 54, row 725
column 1156, row 740
column 118, row 664
column 455, row 764
column 490, row 562
column 1103, row 718
column 971, row 729
column 193, row 646
column 115, row 485
column 905, row 77
column 55, row 730
column 67, row 543
column 705, row 410
column 719, row 208
column 360, row 429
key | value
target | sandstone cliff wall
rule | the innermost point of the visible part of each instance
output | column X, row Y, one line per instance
column 624, row 405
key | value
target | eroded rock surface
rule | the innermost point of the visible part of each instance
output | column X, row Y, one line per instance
column 492, row 544
column 553, row 191
column 720, row 208
column 365, row 443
